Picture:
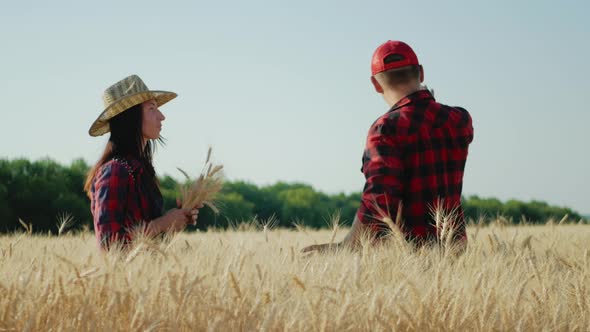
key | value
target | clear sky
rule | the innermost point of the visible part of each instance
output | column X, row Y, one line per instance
column 281, row 89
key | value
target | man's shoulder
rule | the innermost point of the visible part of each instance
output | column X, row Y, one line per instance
column 388, row 123
column 397, row 122
column 457, row 114
column 407, row 120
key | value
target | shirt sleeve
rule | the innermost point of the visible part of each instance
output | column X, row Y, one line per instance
column 383, row 170
column 469, row 129
column 467, row 124
column 111, row 188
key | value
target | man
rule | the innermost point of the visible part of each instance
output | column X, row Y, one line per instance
column 414, row 158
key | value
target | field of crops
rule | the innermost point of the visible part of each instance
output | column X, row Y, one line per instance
column 512, row 278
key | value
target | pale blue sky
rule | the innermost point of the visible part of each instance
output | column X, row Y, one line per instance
column 281, row 89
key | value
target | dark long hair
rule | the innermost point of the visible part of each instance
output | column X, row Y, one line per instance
column 126, row 140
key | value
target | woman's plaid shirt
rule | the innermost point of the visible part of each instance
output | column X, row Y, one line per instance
column 121, row 200
column 415, row 154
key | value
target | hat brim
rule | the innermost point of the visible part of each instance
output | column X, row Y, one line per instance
column 101, row 124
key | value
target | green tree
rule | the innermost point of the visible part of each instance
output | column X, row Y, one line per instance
column 39, row 191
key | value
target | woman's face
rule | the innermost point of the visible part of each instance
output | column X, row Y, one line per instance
column 152, row 119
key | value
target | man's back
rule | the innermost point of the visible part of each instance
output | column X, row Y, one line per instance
column 414, row 158
column 416, row 154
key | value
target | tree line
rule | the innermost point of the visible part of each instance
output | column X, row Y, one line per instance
column 39, row 192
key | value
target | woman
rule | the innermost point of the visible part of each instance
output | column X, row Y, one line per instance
column 122, row 186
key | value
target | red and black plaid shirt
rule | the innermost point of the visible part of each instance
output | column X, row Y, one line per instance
column 121, row 199
column 415, row 154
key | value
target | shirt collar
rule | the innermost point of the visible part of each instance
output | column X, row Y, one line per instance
column 134, row 164
column 413, row 97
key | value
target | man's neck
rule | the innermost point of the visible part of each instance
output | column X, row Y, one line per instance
column 392, row 97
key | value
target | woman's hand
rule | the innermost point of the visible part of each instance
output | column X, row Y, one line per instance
column 173, row 221
column 194, row 212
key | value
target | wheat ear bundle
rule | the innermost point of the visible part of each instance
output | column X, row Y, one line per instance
column 204, row 189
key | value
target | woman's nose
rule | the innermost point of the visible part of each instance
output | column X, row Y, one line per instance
column 162, row 117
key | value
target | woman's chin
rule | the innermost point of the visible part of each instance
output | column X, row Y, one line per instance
column 152, row 137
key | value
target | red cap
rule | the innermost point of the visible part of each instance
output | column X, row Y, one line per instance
column 392, row 54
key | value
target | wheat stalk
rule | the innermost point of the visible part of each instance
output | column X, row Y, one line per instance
column 334, row 225
column 64, row 222
column 447, row 226
column 299, row 283
column 268, row 225
column 204, row 189
column 27, row 227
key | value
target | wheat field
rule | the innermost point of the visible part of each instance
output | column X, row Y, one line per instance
column 510, row 278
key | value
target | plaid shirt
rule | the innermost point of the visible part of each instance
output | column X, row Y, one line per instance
column 121, row 200
column 415, row 154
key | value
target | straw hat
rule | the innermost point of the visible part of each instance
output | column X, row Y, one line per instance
column 123, row 95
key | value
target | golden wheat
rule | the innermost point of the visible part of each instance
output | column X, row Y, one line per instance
column 204, row 189
column 527, row 278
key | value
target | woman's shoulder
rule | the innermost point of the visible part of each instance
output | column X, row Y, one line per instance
column 120, row 168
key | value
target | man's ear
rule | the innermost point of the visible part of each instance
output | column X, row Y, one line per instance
column 421, row 74
column 376, row 84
